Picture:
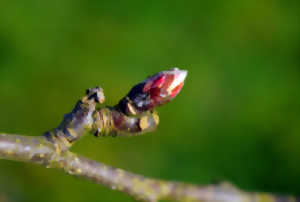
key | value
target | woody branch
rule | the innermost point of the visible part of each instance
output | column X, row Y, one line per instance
column 133, row 115
column 39, row 150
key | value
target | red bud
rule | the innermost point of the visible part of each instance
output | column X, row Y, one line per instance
column 164, row 86
column 156, row 90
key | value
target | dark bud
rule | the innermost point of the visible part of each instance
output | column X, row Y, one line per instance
column 96, row 93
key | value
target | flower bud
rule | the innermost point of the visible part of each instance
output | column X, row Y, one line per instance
column 156, row 90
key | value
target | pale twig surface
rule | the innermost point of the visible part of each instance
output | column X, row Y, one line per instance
column 39, row 150
column 133, row 115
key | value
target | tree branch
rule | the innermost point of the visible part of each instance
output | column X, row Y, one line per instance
column 40, row 151
column 132, row 115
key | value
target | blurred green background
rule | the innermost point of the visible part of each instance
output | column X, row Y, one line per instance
column 236, row 119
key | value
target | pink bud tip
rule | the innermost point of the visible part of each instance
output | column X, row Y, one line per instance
column 164, row 86
column 156, row 90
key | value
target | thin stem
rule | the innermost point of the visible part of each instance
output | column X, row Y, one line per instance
column 39, row 150
column 133, row 115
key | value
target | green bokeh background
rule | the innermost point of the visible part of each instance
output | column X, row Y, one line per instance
column 236, row 119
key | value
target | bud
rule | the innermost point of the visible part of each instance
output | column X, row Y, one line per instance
column 156, row 90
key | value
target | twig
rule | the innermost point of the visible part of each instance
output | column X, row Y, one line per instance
column 133, row 115
column 39, row 150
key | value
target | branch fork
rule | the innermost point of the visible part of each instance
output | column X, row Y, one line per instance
column 134, row 115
